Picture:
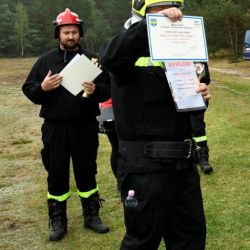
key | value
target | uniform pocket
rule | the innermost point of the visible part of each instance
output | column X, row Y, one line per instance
column 135, row 220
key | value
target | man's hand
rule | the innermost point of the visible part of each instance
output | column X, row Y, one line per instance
column 96, row 62
column 174, row 14
column 89, row 88
column 51, row 82
column 203, row 89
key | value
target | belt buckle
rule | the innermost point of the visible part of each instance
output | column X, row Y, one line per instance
column 190, row 148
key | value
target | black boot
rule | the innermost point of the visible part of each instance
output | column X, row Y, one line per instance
column 91, row 207
column 202, row 158
column 58, row 219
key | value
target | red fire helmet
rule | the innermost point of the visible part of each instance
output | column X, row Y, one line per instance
column 67, row 18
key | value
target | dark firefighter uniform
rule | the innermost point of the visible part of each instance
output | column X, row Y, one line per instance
column 155, row 149
column 199, row 129
column 197, row 117
column 70, row 129
column 107, row 126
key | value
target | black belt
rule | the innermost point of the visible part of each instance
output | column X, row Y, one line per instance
column 157, row 149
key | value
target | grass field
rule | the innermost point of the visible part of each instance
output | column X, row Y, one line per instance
column 23, row 208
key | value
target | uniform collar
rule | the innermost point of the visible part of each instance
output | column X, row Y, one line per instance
column 68, row 55
column 133, row 19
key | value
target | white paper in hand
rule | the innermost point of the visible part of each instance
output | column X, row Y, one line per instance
column 79, row 69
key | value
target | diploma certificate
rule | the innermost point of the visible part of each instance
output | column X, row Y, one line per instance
column 78, row 70
column 181, row 40
column 183, row 82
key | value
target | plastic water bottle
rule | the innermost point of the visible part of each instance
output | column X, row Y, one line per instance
column 131, row 200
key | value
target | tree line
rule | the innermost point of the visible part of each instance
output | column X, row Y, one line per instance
column 27, row 30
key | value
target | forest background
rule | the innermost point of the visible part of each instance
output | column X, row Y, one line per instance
column 26, row 31
column 27, row 26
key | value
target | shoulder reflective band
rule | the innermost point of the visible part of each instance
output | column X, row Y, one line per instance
column 147, row 62
column 59, row 198
column 200, row 139
column 89, row 193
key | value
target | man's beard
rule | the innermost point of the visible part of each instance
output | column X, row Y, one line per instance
column 70, row 46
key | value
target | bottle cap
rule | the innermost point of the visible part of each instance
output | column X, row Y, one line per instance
column 131, row 193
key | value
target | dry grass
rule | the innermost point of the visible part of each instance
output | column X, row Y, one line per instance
column 240, row 66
